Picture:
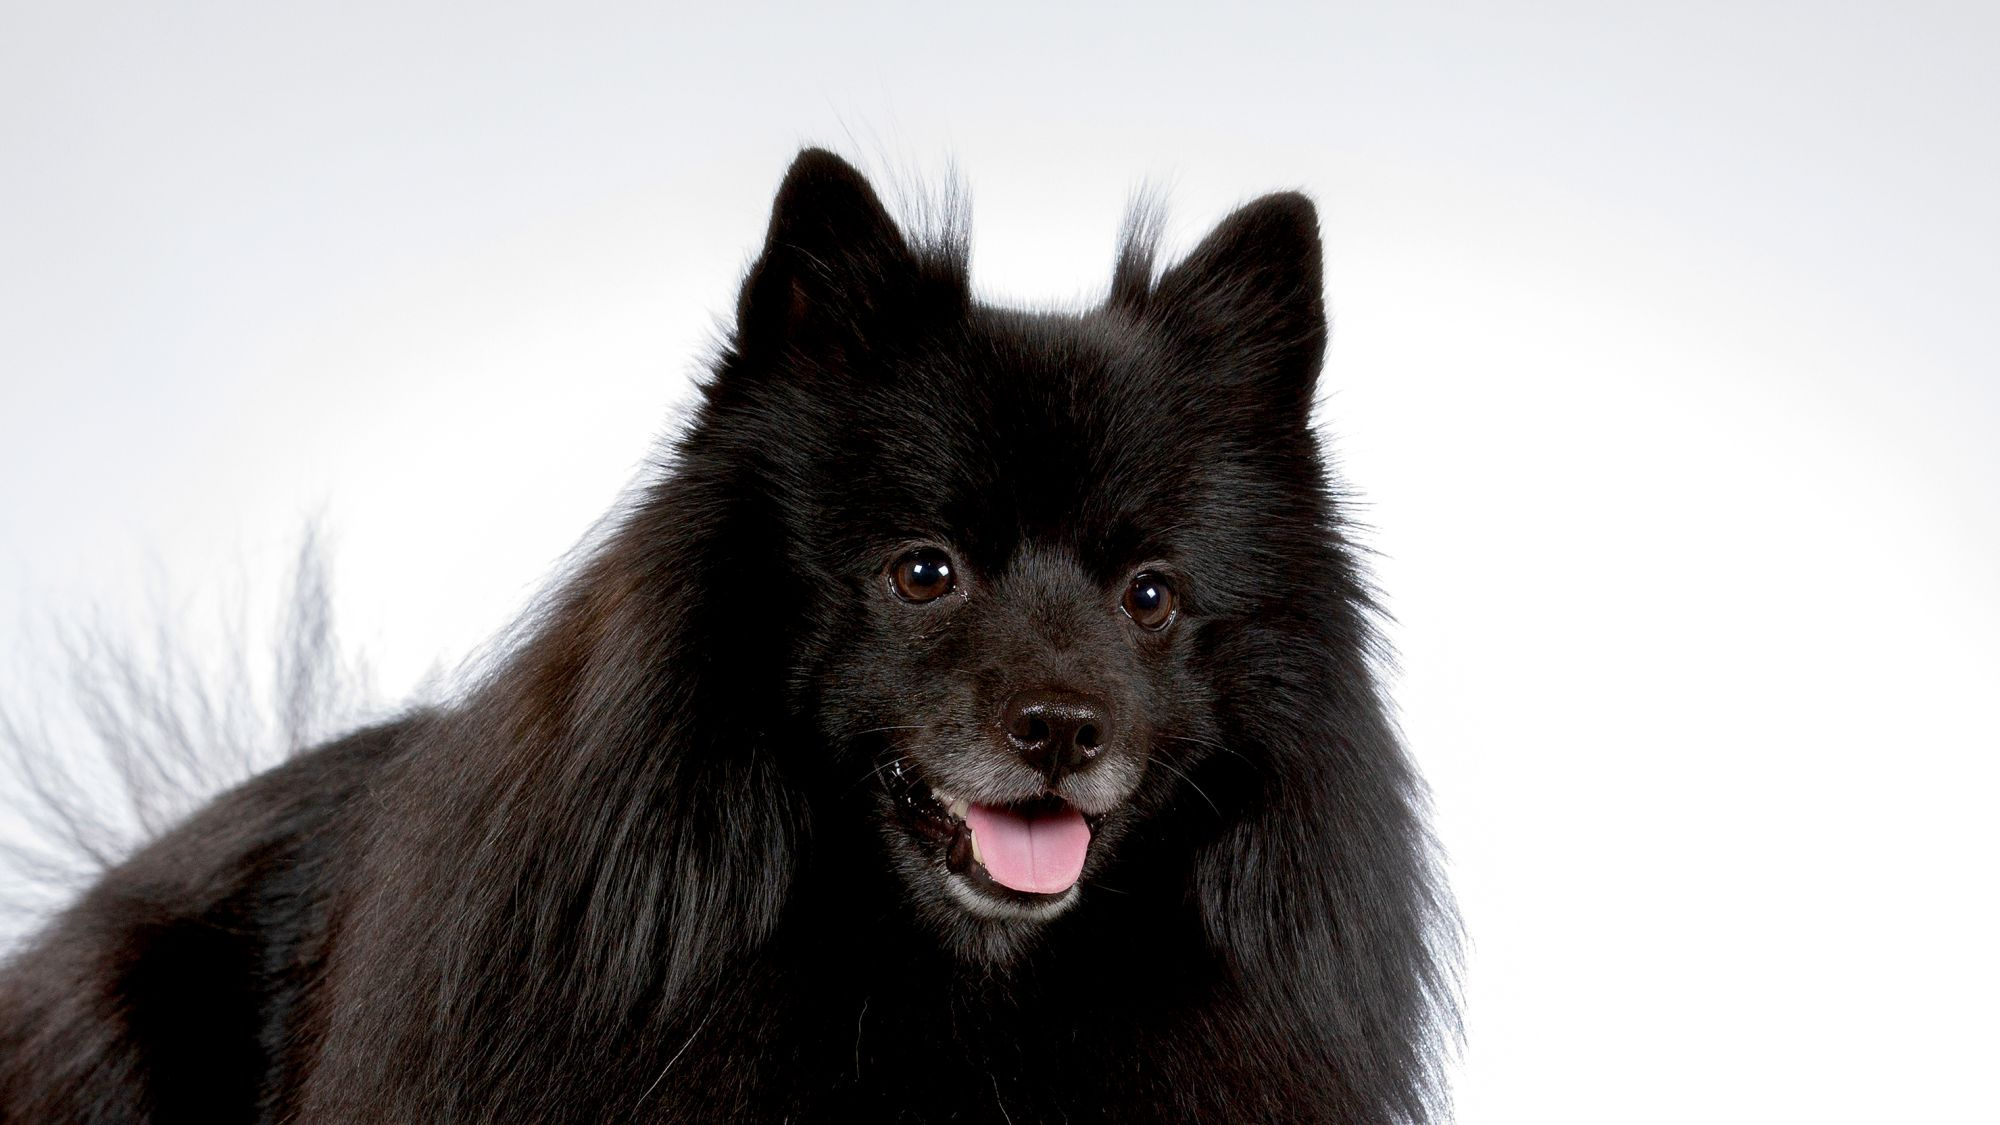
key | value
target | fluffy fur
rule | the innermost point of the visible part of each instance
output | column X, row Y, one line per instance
column 656, row 864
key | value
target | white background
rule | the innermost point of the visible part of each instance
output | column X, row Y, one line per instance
column 1663, row 358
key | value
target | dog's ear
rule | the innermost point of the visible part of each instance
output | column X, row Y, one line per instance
column 833, row 262
column 1247, row 302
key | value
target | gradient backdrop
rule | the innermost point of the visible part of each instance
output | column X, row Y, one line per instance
column 1663, row 360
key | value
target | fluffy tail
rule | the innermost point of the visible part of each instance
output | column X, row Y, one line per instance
column 123, row 740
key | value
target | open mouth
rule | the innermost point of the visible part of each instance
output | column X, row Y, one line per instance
column 1028, row 853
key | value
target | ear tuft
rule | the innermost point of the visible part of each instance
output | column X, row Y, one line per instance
column 1138, row 251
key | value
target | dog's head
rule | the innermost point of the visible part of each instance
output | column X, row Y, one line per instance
column 1040, row 556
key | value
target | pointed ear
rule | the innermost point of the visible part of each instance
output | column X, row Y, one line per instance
column 1248, row 301
column 832, row 261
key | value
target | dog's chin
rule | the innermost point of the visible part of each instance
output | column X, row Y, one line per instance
column 937, row 855
column 974, row 922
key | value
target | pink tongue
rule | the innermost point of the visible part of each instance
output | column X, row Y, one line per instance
column 1042, row 855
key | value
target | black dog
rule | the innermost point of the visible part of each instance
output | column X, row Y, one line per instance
column 974, row 723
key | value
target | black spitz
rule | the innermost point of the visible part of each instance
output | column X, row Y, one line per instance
column 974, row 724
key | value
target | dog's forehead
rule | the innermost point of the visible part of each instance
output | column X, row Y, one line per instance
column 1043, row 392
column 1035, row 428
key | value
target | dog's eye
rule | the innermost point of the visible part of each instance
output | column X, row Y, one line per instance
column 1149, row 600
column 922, row 575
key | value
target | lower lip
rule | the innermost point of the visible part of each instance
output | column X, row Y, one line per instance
column 974, row 874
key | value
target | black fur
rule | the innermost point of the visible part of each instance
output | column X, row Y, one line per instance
column 652, row 866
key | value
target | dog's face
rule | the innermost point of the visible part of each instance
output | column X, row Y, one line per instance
column 1038, row 546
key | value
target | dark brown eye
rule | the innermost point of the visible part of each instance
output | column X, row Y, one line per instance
column 1150, row 601
column 922, row 575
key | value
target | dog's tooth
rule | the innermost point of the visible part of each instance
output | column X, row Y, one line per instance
column 958, row 806
column 976, row 857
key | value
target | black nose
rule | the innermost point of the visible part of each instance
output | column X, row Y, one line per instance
column 1056, row 731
